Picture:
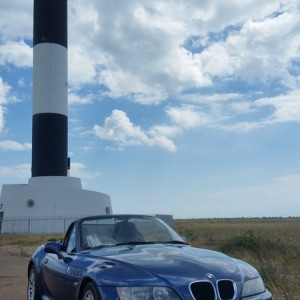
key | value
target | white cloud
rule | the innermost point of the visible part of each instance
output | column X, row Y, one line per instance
column 210, row 99
column 16, row 19
column 4, row 91
column 278, row 197
column 9, row 145
column 119, row 129
column 261, row 50
column 21, row 82
column 142, row 56
column 217, row 61
column 216, row 15
column 1, row 118
column 242, row 107
column 188, row 116
column 84, row 21
column 166, row 130
column 80, row 170
column 4, row 99
column 82, row 69
column 20, row 172
column 234, row 113
column 243, row 126
column 74, row 98
column 286, row 107
column 122, row 83
column 16, row 53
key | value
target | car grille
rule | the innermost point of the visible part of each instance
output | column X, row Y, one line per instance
column 205, row 290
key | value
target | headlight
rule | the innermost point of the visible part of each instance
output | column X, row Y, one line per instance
column 146, row 293
column 253, row 287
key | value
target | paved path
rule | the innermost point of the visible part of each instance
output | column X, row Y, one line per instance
column 13, row 276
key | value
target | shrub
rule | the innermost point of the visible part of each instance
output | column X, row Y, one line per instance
column 247, row 241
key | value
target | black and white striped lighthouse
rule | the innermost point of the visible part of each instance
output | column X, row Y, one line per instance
column 50, row 89
column 50, row 192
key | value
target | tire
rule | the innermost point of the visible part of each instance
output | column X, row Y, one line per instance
column 90, row 292
column 32, row 288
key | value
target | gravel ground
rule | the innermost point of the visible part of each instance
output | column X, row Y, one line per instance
column 13, row 275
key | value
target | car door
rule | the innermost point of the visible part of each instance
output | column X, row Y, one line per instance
column 54, row 269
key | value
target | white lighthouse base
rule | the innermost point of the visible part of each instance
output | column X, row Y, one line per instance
column 48, row 205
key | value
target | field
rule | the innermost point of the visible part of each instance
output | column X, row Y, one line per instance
column 272, row 245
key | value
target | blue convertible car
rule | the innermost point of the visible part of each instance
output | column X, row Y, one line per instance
column 136, row 257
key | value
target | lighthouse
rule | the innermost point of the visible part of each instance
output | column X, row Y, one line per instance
column 50, row 193
column 50, row 89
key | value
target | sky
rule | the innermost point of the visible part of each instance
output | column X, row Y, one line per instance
column 189, row 108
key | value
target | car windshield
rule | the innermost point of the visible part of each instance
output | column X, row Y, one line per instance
column 117, row 230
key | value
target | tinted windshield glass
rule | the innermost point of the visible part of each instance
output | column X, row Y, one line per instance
column 113, row 230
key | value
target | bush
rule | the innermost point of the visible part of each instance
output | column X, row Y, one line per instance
column 247, row 241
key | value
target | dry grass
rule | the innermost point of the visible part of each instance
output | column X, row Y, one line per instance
column 24, row 245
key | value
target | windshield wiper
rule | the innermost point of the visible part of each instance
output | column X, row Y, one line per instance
column 176, row 242
column 153, row 242
column 99, row 247
column 134, row 243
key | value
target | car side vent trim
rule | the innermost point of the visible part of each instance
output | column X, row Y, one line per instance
column 75, row 271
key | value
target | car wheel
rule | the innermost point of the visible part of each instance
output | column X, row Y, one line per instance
column 89, row 292
column 32, row 288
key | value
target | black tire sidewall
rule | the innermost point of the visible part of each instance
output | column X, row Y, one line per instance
column 36, row 291
column 90, row 287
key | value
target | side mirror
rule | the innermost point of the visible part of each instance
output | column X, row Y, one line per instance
column 54, row 248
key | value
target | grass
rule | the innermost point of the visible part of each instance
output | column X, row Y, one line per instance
column 272, row 245
column 24, row 245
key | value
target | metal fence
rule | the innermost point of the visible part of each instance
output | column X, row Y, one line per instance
column 46, row 225
column 36, row 225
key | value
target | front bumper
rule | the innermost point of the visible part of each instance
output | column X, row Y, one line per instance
column 111, row 293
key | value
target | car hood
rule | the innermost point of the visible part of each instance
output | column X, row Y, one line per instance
column 159, row 263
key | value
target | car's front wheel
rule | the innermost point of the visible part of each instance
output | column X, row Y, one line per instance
column 32, row 288
column 89, row 292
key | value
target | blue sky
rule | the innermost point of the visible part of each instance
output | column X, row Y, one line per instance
column 184, row 107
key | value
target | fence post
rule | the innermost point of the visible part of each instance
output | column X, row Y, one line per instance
column 28, row 226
